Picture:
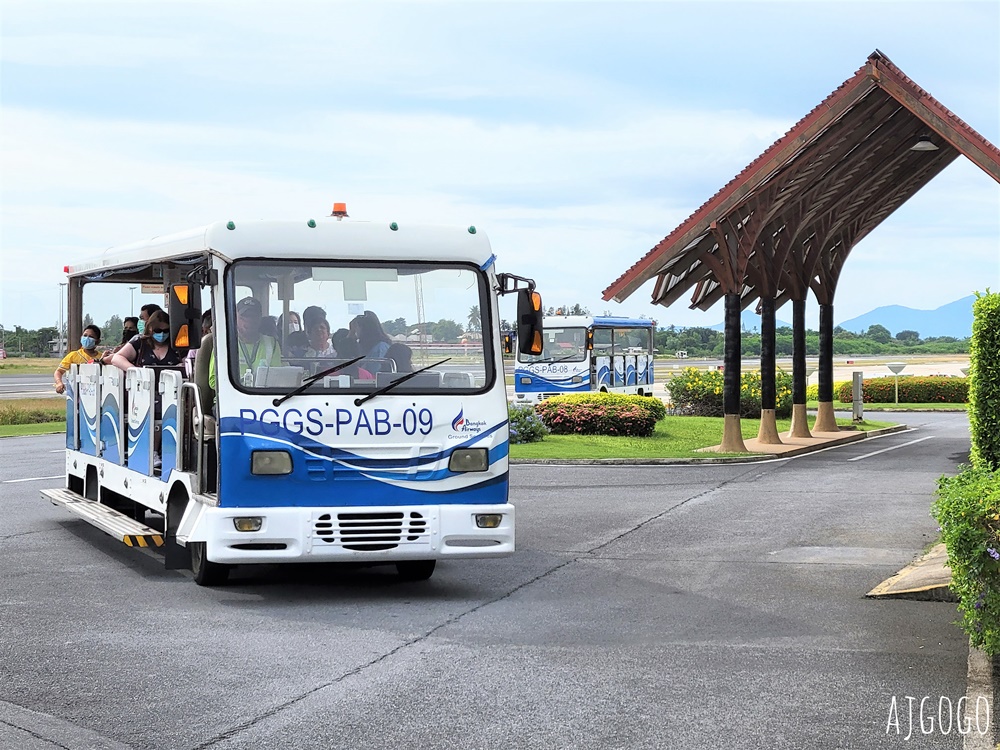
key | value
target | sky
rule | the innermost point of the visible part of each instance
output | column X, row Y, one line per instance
column 576, row 135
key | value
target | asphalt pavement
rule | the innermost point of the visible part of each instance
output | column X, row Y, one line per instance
column 646, row 607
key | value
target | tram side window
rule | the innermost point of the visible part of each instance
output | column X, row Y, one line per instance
column 602, row 342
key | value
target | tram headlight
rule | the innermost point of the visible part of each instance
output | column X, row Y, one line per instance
column 270, row 462
column 469, row 459
column 248, row 523
column 488, row 520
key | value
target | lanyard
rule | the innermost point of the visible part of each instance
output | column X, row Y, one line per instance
column 250, row 359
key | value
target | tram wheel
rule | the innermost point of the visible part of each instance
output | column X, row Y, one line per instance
column 415, row 570
column 207, row 573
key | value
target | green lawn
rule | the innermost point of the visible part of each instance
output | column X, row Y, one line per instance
column 934, row 406
column 39, row 428
column 675, row 437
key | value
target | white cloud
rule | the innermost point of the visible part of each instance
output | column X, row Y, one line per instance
column 563, row 132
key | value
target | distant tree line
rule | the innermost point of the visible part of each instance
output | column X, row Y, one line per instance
column 39, row 342
column 706, row 342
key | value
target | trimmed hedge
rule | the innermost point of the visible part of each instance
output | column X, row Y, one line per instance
column 968, row 509
column 699, row 393
column 984, row 372
column 912, row 390
column 601, row 414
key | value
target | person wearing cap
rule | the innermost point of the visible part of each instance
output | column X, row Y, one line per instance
column 254, row 348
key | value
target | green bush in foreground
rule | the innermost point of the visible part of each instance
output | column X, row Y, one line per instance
column 912, row 390
column 968, row 510
column 984, row 373
column 602, row 414
column 525, row 425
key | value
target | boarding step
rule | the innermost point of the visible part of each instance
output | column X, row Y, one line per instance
column 108, row 520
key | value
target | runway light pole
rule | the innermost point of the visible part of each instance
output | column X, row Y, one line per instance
column 59, row 334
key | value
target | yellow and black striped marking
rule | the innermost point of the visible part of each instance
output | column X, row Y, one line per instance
column 143, row 540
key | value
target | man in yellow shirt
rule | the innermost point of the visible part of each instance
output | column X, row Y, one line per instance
column 86, row 354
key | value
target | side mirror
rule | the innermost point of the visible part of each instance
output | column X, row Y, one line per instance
column 529, row 322
column 185, row 316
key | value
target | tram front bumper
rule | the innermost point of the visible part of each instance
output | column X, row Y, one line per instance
column 355, row 534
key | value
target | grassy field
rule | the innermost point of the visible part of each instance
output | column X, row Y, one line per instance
column 32, row 416
column 40, row 428
column 28, row 365
column 837, row 406
column 675, row 437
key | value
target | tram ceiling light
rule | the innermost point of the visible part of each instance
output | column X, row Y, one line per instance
column 924, row 143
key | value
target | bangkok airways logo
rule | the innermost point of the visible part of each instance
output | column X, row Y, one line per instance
column 463, row 428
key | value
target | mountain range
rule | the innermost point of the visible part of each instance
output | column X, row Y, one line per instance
column 953, row 319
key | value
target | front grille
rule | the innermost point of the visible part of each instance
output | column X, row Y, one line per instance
column 371, row 532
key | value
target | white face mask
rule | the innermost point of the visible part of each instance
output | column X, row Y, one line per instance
column 293, row 326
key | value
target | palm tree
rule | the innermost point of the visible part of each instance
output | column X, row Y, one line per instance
column 475, row 320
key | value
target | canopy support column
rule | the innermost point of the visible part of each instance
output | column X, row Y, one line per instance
column 825, row 419
column 800, row 424
column 732, row 436
column 768, row 433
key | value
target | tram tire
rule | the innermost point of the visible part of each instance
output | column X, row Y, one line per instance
column 415, row 570
column 207, row 573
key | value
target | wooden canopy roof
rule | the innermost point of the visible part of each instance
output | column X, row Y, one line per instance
column 787, row 222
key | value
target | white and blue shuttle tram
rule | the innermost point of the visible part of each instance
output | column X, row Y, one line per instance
column 295, row 457
column 584, row 354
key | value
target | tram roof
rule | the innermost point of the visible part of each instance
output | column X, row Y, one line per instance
column 328, row 239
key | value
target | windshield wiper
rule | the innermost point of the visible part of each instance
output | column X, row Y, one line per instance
column 398, row 381
column 313, row 378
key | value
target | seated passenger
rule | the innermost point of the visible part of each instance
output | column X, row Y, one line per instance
column 347, row 348
column 297, row 345
column 401, row 355
column 86, row 354
column 150, row 348
column 372, row 339
column 319, row 339
column 310, row 315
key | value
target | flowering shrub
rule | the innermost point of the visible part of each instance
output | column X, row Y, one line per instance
column 968, row 509
column 699, row 392
column 812, row 391
column 602, row 414
column 912, row 390
column 525, row 425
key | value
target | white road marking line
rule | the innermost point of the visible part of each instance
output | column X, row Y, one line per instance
column 30, row 479
column 901, row 445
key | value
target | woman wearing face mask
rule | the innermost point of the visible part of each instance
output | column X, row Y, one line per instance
column 86, row 354
column 151, row 347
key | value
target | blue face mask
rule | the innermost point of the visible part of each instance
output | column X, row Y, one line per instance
column 141, row 325
column 88, row 342
column 160, row 337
